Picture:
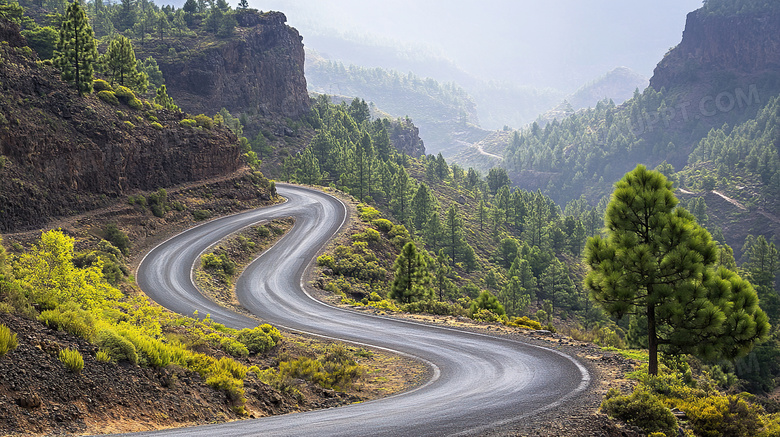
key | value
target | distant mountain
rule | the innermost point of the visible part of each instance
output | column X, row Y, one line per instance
column 618, row 85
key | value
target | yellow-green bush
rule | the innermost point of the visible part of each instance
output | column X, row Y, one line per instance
column 383, row 225
column 718, row 415
column 103, row 356
column 234, row 388
column 151, row 352
column 116, row 346
column 641, row 408
column 256, row 340
column 234, row 348
column 157, row 125
column 367, row 213
column 127, row 96
column 188, row 122
column 369, row 235
column 523, row 322
column 7, row 340
column 99, row 85
column 204, row 121
column 70, row 317
column 72, row 360
column 108, row 97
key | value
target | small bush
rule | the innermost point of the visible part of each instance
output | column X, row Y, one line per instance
column 129, row 124
column 72, row 360
column 370, row 235
column 70, row 317
column 383, row 225
column 116, row 346
column 234, row 348
column 117, row 237
column 641, row 408
column 256, row 339
column 718, row 415
column 232, row 387
column 126, row 96
column 103, row 356
column 368, row 213
column 434, row 307
column 204, row 121
column 108, row 97
column 523, row 322
column 99, row 85
column 188, row 122
column 201, row 214
column 7, row 340
column 157, row 125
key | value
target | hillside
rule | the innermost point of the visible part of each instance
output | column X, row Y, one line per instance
column 64, row 154
column 712, row 79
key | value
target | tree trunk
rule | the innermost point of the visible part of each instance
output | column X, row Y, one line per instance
column 652, row 341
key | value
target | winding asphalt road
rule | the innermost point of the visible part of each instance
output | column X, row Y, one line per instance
column 478, row 382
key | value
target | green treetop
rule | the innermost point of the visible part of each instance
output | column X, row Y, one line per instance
column 119, row 60
column 657, row 261
column 76, row 49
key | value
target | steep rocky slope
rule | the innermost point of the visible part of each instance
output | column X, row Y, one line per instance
column 61, row 153
column 259, row 69
column 723, row 71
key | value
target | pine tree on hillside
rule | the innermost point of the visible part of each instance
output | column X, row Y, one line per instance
column 411, row 276
column 658, row 262
column 119, row 60
column 76, row 49
column 243, row 4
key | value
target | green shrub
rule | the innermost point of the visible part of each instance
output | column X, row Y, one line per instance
column 486, row 301
column 231, row 366
column 108, row 97
column 370, row 235
column 129, row 124
column 523, row 322
column 718, row 415
column 116, row 346
column 151, row 352
column 126, row 96
column 188, row 122
column 201, row 214
column 641, row 408
column 434, row 307
column 231, row 386
column 7, row 340
column 256, row 340
column 204, row 121
column 103, row 356
column 70, row 317
column 99, row 85
column 117, row 237
column 383, row 225
column 367, row 213
column 72, row 360
column 234, row 348
column 157, row 125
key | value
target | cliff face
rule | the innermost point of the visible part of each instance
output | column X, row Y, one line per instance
column 259, row 69
column 405, row 137
column 60, row 153
column 741, row 45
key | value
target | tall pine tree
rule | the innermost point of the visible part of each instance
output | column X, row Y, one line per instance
column 76, row 49
column 658, row 262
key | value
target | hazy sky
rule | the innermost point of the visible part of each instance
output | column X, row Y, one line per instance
column 559, row 43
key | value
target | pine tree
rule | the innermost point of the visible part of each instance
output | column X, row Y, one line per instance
column 243, row 4
column 308, row 168
column 119, row 60
column 422, row 207
column 399, row 201
column 411, row 276
column 164, row 100
column 442, row 273
column 76, row 49
column 657, row 261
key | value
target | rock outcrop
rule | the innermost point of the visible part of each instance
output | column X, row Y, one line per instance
column 746, row 45
column 259, row 69
column 405, row 137
column 61, row 153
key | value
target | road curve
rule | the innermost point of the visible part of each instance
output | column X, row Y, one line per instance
column 479, row 382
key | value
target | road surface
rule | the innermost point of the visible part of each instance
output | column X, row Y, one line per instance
column 478, row 383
